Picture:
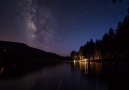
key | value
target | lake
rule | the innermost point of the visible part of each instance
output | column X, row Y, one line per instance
column 70, row 76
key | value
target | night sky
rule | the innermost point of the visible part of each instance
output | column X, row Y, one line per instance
column 58, row 26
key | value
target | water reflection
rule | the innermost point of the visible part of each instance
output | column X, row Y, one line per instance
column 7, row 70
column 69, row 76
column 88, row 67
column 57, row 77
column 1, row 69
column 111, row 75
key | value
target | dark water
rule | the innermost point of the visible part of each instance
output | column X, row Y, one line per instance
column 72, row 76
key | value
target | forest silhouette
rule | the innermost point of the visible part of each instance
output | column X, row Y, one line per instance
column 114, row 44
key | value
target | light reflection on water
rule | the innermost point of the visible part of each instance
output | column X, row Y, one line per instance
column 89, row 67
column 72, row 76
column 1, row 69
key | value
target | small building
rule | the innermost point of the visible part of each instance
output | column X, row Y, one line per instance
column 97, row 55
column 81, row 57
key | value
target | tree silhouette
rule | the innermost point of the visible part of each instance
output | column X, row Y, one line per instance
column 98, row 47
column 74, row 55
column 115, row 43
column 82, row 50
column 111, row 43
column 105, row 45
column 114, row 1
column 91, row 48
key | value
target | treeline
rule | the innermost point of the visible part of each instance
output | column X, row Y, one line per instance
column 114, row 43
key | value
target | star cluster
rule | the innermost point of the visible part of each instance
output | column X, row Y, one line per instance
column 58, row 26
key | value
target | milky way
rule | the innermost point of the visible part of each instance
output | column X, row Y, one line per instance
column 58, row 26
column 39, row 24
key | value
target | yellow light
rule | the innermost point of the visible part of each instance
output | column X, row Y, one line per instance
column 2, row 69
column 74, row 62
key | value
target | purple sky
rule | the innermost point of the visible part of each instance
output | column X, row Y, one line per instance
column 58, row 26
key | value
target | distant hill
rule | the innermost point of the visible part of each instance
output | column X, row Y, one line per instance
column 13, row 51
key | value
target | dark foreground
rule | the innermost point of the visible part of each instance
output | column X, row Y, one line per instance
column 65, row 76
